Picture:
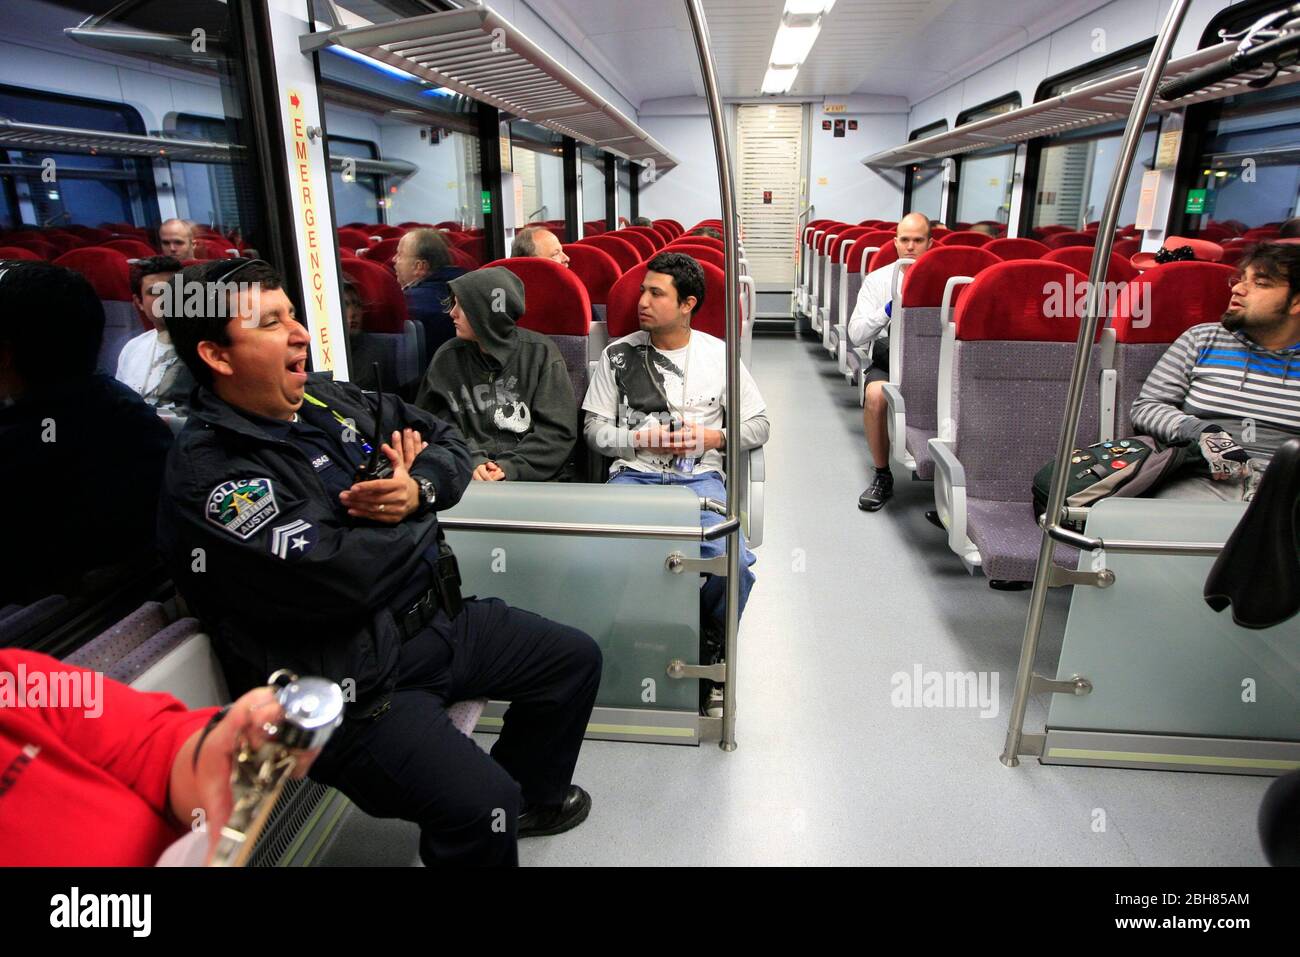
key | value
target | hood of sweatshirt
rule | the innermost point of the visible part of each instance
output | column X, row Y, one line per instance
column 492, row 300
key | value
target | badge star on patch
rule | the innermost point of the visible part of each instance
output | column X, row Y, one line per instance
column 289, row 541
column 242, row 506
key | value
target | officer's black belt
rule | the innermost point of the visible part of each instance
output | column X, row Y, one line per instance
column 414, row 619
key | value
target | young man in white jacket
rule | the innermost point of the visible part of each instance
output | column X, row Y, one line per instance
column 869, row 329
column 148, row 364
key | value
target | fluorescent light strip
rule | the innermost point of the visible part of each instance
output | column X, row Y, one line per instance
column 804, row 7
column 793, row 44
column 780, row 79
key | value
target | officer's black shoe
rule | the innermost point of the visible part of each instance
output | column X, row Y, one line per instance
column 878, row 493
column 545, row 821
column 932, row 516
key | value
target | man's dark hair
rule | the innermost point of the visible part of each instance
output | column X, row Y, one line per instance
column 52, row 320
column 431, row 247
column 187, row 331
column 1290, row 229
column 1277, row 261
column 688, row 275
column 643, row 221
column 706, row 231
column 153, row 266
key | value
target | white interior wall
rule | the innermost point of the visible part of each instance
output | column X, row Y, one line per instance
column 839, row 185
column 1121, row 23
column 689, row 192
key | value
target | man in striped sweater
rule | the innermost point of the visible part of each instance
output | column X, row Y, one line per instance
column 1232, row 387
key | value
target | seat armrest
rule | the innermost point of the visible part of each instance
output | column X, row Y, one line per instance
column 896, row 421
column 753, row 490
column 950, row 501
column 1107, row 392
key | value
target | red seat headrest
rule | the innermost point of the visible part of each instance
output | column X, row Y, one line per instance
column 871, row 238
column 132, row 248
column 1017, row 248
column 353, row 239
column 40, row 247
column 882, row 257
column 105, row 269
column 1027, row 300
column 384, row 301
column 703, row 254
column 212, row 249
column 555, row 300
column 623, row 251
column 964, row 237
column 717, row 244
column 656, row 240
column 710, row 316
column 1120, row 269
column 595, row 268
column 644, row 247
column 924, row 280
column 381, row 252
column 1164, row 302
column 17, row 252
column 836, row 249
column 1056, row 240
column 388, row 232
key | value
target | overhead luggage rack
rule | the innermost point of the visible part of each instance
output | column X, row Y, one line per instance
column 478, row 53
column 1105, row 101
column 62, row 139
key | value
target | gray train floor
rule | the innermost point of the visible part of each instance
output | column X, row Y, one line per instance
column 828, row 770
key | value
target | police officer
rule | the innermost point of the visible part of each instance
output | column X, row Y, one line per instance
column 293, row 563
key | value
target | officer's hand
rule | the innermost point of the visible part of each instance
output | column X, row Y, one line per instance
column 411, row 443
column 386, row 500
column 495, row 473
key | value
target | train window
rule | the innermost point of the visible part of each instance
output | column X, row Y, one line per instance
column 208, row 192
column 984, row 184
column 593, row 187
column 47, row 188
column 1074, row 176
column 538, row 158
column 1074, row 170
column 1249, row 165
column 358, row 196
column 923, row 192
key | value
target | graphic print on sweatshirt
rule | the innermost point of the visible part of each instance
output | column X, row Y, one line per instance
column 510, row 413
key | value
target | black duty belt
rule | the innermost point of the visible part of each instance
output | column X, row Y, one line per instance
column 412, row 620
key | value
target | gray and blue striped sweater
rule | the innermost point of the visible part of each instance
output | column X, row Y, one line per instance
column 1213, row 376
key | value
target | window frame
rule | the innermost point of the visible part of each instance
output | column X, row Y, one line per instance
column 1049, row 87
column 380, row 185
column 972, row 115
column 938, row 126
column 1201, row 117
column 143, row 168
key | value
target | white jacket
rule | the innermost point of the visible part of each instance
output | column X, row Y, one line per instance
column 868, row 321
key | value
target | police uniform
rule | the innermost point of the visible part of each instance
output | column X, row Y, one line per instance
column 265, row 553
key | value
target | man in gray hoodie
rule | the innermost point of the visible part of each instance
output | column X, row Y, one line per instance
column 505, row 388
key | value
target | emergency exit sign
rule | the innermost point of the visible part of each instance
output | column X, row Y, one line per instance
column 487, row 201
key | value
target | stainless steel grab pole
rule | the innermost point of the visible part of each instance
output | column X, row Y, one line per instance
column 722, row 152
column 1078, row 377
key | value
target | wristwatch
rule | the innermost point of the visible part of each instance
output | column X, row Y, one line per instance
column 428, row 494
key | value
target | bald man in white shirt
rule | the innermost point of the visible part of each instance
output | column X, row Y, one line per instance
column 869, row 330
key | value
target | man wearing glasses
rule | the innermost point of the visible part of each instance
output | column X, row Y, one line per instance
column 1232, row 387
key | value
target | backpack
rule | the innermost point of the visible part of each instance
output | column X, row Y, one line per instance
column 1126, row 467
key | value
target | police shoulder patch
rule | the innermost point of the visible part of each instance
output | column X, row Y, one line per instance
column 242, row 506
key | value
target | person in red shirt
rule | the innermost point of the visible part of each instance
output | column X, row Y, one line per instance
column 112, row 782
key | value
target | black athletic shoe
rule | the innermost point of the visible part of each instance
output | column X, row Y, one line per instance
column 545, row 821
column 878, row 493
column 1009, row 584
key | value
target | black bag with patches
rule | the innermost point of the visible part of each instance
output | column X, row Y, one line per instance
column 1129, row 468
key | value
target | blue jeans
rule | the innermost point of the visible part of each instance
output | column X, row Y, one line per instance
column 713, row 594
